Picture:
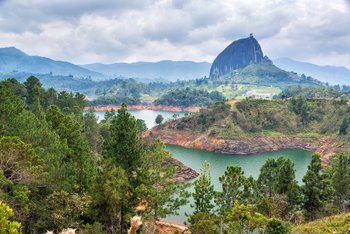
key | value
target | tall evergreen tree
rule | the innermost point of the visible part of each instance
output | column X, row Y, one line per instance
column 235, row 186
column 79, row 154
column 267, row 177
column 141, row 125
column 158, row 189
column 124, row 147
column 343, row 129
column 204, row 193
column 317, row 190
column 110, row 196
column 91, row 130
column 50, row 98
column 34, row 90
column 10, row 107
column 286, row 175
column 341, row 180
column 109, row 115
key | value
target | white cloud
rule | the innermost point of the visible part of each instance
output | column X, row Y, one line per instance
column 85, row 31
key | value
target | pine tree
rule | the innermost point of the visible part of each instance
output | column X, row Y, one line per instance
column 141, row 125
column 91, row 130
column 124, row 147
column 267, row 177
column 277, row 177
column 286, row 175
column 343, row 129
column 79, row 154
column 10, row 107
column 109, row 115
column 158, row 189
column 316, row 190
column 235, row 186
column 34, row 90
column 204, row 193
column 341, row 180
column 110, row 196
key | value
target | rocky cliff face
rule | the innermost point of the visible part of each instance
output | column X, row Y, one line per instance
column 237, row 55
column 326, row 147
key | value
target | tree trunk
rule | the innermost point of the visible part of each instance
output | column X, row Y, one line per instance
column 122, row 220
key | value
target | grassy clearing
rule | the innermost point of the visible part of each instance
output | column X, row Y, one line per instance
column 332, row 224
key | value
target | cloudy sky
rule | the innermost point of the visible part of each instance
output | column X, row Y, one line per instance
column 86, row 31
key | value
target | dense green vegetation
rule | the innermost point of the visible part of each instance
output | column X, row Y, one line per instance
column 188, row 97
column 263, row 78
column 321, row 92
column 265, row 73
column 114, row 100
column 60, row 168
column 275, row 202
column 328, row 225
column 252, row 116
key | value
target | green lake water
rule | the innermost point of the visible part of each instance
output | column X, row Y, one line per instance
column 148, row 116
column 250, row 164
column 194, row 159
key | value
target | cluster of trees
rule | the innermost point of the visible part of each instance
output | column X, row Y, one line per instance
column 59, row 168
column 273, row 202
column 313, row 92
column 114, row 100
column 289, row 116
column 117, row 91
column 265, row 74
column 189, row 97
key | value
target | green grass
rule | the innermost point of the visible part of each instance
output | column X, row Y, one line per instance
column 332, row 224
column 148, row 98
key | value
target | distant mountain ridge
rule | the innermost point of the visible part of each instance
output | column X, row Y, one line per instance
column 330, row 74
column 15, row 60
column 166, row 69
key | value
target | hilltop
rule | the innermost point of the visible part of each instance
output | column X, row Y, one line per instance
column 253, row 125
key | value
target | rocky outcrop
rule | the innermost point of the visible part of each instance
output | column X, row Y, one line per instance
column 170, row 228
column 237, row 55
column 325, row 146
column 141, row 107
column 182, row 173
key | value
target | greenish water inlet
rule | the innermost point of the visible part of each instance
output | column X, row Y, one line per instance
column 250, row 164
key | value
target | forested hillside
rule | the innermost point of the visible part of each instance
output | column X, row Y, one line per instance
column 321, row 92
column 275, row 202
column 250, row 116
column 188, row 97
column 60, row 169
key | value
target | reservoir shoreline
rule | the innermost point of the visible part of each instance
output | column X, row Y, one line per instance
column 174, row 109
column 324, row 146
